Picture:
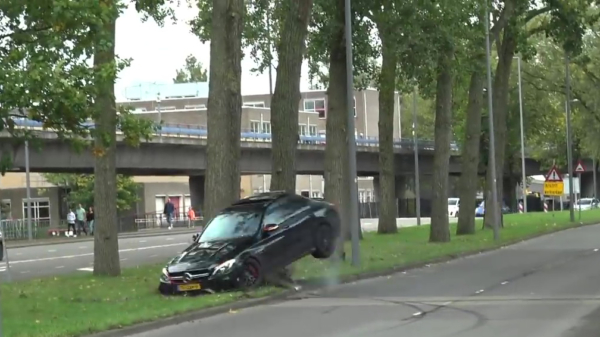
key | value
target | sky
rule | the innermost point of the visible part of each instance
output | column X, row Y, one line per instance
column 157, row 52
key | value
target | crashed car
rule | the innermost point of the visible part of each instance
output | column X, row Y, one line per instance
column 250, row 239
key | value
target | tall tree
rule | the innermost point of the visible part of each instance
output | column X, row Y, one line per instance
column 284, row 105
column 192, row 71
column 224, row 104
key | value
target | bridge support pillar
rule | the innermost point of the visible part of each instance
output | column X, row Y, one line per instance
column 196, row 185
column 509, row 191
column 402, row 196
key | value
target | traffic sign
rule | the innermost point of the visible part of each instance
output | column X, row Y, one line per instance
column 554, row 175
column 554, row 188
column 580, row 168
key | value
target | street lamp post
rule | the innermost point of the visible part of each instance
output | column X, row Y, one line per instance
column 523, row 174
column 569, row 137
column 28, row 192
column 416, row 151
column 354, row 221
column 492, row 154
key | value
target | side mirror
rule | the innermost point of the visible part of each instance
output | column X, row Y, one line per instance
column 270, row 228
column 195, row 237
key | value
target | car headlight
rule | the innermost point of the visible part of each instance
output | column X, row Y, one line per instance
column 164, row 277
column 224, row 266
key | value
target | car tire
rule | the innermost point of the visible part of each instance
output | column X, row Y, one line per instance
column 324, row 241
column 250, row 275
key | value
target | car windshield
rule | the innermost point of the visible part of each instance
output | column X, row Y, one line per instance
column 452, row 202
column 233, row 223
column 584, row 202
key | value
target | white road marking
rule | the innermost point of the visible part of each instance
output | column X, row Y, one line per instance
column 503, row 283
column 86, row 269
column 596, row 249
column 82, row 247
column 170, row 239
column 59, row 267
column 142, row 241
column 479, row 291
column 91, row 254
column 418, row 313
column 51, row 250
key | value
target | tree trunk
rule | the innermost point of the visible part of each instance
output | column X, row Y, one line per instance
column 440, row 228
column 284, row 106
column 469, row 179
column 336, row 154
column 224, row 106
column 106, row 242
column 500, row 105
column 387, row 183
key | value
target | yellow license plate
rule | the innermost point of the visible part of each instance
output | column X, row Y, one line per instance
column 189, row 287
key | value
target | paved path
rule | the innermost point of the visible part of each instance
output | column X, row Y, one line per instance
column 547, row 287
column 78, row 256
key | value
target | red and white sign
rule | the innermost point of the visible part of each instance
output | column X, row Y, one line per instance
column 580, row 168
column 554, row 175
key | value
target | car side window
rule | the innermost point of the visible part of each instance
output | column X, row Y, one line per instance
column 281, row 210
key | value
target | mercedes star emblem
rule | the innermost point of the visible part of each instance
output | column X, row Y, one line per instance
column 187, row 277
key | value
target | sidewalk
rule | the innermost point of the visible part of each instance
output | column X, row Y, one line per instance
column 61, row 240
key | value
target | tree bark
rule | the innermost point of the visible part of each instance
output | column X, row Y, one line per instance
column 224, row 106
column 500, row 105
column 336, row 154
column 106, row 243
column 469, row 179
column 440, row 228
column 387, row 179
column 284, row 106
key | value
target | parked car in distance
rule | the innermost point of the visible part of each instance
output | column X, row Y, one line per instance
column 250, row 239
column 586, row 204
column 480, row 210
column 453, row 207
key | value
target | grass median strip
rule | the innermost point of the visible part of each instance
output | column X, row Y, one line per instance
column 80, row 304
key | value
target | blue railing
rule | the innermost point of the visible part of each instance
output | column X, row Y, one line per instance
column 198, row 131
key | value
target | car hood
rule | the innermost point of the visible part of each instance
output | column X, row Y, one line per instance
column 204, row 255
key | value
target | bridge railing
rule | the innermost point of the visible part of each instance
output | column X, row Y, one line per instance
column 201, row 132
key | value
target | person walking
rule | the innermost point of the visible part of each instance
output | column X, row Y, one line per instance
column 80, row 214
column 71, row 224
column 191, row 217
column 169, row 211
column 90, row 219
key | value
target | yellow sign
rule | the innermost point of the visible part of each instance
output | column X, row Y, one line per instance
column 554, row 188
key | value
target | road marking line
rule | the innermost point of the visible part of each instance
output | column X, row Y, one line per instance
column 92, row 254
column 418, row 313
column 86, row 269
column 503, row 283
column 82, row 247
column 142, row 241
column 479, row 291
column 59, row 267
column 51, row 250
column 596, row 249
column 170, row 239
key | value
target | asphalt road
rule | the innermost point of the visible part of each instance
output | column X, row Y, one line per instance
column 547, row 287
column 49, row 260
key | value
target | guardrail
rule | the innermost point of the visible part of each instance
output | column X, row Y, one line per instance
column 199, row 131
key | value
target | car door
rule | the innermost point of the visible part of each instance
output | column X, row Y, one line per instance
column 283, row 244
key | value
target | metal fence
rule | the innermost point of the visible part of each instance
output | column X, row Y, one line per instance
column 17, row 229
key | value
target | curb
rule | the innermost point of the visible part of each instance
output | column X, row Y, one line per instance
column 87, row 239
column 308, row 286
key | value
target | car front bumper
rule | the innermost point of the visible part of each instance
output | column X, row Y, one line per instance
column 209, row 285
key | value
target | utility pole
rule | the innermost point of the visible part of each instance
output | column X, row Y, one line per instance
column 416, row 151
column 569, row 138
column 353, row 195
column 523, row 172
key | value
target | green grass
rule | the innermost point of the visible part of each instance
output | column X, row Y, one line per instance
column 80, row 304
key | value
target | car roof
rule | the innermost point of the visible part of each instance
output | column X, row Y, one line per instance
column 265, row 198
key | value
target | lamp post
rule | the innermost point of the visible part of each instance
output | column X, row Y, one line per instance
column 416, row 151
column 492, row 154
column 523, row 174
column 569, row 137
column 354, row 221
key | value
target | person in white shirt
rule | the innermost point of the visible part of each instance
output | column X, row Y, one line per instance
column 71, row 223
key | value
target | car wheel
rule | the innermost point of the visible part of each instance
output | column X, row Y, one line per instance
column 324, row 242
column 251, row 275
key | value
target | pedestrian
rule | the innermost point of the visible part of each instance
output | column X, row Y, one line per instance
column 169, row 211
column 71, row 224
column 80, row 214
column 90, row 219
column 191, row 217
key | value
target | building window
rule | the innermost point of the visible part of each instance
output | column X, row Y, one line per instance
column 6, row 209
column 315, row 105
column 312, row 130
column 40, row 209
column 195, row 106
column 255, row 126
column 316, row 194
column 266, row 127
column 361, row 195
column 254, row 104
column 166, row 108
column 302, row 129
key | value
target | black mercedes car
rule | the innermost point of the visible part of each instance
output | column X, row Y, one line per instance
column 250, row 239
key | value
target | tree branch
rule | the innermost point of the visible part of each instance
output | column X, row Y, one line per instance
column 32, row 30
